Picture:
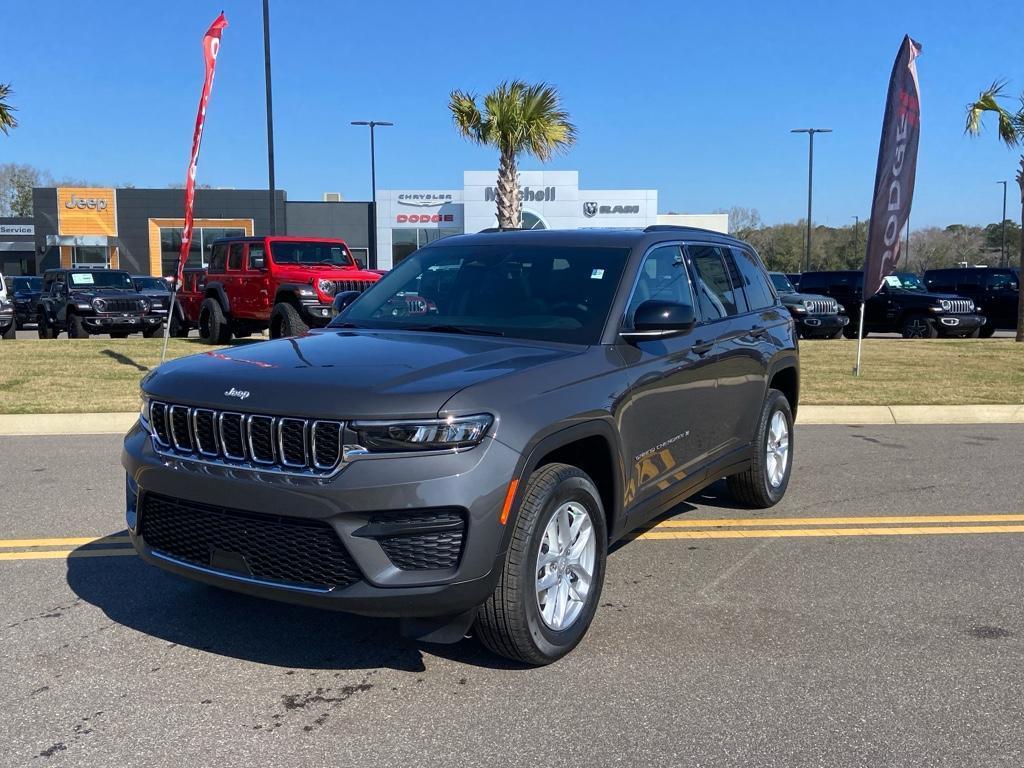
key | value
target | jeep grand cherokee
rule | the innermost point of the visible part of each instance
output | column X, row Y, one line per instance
column 462, row 443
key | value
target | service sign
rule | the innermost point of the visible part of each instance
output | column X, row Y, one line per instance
column 17, row 229
column 86, row 211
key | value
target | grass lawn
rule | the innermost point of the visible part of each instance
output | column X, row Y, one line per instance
column 95, row 375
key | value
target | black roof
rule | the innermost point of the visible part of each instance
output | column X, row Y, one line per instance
column 608, row 237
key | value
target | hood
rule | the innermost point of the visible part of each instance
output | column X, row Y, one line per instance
column 305, row 273
column 336, row 373
column 925, row 297
column 106, row 293
column 795, row 297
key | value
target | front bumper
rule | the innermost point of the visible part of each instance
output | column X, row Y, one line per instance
column 25, row 312
column 474, row 481
column 315, row 314
column 120, row 323
column 820, row 325
column 958, row 325
column 6, row 321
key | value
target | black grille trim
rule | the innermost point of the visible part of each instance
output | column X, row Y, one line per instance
column 284, row 444
column 420, row 540
column 290, row 552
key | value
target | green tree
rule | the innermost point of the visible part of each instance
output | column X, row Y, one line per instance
column 7, row 118
column 515, row 118
column 16, row 183
column 1011, row 133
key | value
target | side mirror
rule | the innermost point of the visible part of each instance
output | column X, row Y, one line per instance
column 343, row 299
column 655, row 319
column 360, row 262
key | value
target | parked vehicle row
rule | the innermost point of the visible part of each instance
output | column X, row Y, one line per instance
column 816, row 316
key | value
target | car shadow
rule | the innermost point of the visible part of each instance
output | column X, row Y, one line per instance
column 181, row 612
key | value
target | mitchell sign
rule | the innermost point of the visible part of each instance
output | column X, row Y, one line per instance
column 526, row 194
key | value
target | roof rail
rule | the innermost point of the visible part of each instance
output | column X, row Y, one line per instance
column 502, row 229
column 682, row 228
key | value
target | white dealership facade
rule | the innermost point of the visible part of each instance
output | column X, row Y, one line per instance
column 410, row 218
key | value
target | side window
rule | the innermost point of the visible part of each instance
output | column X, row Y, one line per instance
column 715, row 291
column 968, row 282
column 218, row 257
column 662, row 276
column 257, row 256
column 755, row 281
column 943, row 282
column 1001, row 281
column 235, row 256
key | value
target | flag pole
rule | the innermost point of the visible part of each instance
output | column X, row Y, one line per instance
column 860, row 338
column 167, row 322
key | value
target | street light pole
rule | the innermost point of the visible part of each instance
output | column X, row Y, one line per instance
column 270, row 116
column 856, row 234
column 810, row 184
column 373, row 187
column 1002, row 226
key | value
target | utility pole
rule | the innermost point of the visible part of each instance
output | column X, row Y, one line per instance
column 810, row 184
column 270, row 116
column 1002, row 226
column 856, row 234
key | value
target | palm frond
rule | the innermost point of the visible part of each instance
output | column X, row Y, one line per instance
column 466, row 114
column 988, row 101
column 7, row 119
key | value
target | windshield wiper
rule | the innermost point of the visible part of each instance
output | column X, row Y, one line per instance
column 441, row 328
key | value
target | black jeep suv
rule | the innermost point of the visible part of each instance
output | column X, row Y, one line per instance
column 996, row 292
column 816, row 316
column 86, row 301
column 466, row 439
column 27, row 291
column 903, row 306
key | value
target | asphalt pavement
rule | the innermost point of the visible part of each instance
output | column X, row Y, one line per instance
column 808, row 635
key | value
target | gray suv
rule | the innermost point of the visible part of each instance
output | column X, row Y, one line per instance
column 464, row 441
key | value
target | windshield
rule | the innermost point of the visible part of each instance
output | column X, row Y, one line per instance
column 296, row 252
column 28, row 283
column 530, row 292
column 781, row 283
column 905, row 281
column 101, row 279
column 151, row 284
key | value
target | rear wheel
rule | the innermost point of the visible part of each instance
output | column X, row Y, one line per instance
column 43, row 328
column 764, row 483
column 918, row 327
column 76, row 328
column 285, row 320
column 119, row 335
column 178, row 329
column 551, row 581
column 213, row 326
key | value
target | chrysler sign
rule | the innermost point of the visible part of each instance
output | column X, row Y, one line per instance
column 425, row 199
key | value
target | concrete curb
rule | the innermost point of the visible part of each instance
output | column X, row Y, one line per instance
column 808, row 415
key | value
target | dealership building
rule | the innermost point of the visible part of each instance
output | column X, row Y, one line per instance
column 140, row 229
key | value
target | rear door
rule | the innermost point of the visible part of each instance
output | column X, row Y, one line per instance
column 670, row 415
column 1000, row 297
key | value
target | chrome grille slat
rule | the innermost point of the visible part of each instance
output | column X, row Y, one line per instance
column 283, row 444
column 960, row 306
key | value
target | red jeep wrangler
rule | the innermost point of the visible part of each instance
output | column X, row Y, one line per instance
column 286, row 284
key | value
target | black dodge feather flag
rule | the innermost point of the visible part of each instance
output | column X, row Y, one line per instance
column 897, row 168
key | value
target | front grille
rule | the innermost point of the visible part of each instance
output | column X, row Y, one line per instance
column 821, row 306
column 424, row 549
column 352, row 285
column 118, row 305
column 290, row 551
column 275, row 443
column 961, row 306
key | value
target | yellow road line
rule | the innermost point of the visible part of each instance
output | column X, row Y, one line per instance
column 57, row 554
column 812, row 532
column 880, row 520
column 116, row 538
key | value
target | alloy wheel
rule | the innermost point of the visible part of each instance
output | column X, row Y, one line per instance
column 565, row 566
column 777, row 454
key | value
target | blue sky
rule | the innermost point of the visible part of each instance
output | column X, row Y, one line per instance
column 693, row 99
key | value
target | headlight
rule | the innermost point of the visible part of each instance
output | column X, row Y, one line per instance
column 946, row 306
column 424, row 435
column 306, row 292
column 798, row 307
column 327, row 287
column 145, row 304
column 144, row 411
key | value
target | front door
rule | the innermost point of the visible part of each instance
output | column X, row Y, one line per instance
column 670, row 416
column 258, row 300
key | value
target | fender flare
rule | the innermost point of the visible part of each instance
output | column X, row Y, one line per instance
column 216, row 290
column 558, row 437
column 292, row 290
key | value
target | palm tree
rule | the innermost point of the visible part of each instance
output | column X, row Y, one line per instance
column 1011, row 133
column 515, row 118
column 7, row 120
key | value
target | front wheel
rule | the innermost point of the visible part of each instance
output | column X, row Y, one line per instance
column 11, row 332
column 764, row 482
column 919, row 327
column 850, row 329
column 76, row 328
column 551, row 581
column 43, row 328
column 213, row 326
column 987, row 331
column 285, row 320
column 152, row 331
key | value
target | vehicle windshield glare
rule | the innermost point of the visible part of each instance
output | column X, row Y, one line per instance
column 782, row 283
column 299, row 252
column 101, row 279
column 548, row 293
column 905, row 281
column 151, row 284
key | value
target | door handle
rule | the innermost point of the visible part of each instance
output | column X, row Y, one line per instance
column 702, row 347
column 758, row 333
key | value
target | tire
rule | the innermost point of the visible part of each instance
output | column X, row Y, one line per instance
column 918, row 327
column 975, row 334
column 9, row 334
column 286, row 321
column 760, row 486
column 511, row 623
column 119, row 335
column 150, row 333
column 179, row 329
column 76, row 328
column 213, row 326
column 43, row 328
column 850, row 329
column 836, row 334
column 987, row 331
